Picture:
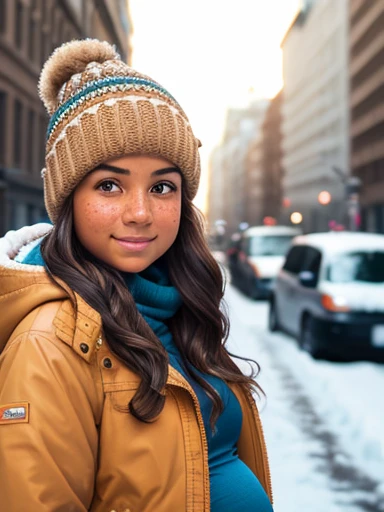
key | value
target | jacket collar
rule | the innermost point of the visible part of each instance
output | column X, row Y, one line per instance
column 79, row 326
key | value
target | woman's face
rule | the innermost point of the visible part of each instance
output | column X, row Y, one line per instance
column 127, row 211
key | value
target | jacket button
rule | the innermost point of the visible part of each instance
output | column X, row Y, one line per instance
column 84, row 347
column 107, row 363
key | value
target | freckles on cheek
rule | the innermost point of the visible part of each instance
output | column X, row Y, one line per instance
column 99, row 216
column 171, row 213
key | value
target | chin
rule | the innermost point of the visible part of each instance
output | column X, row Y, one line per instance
column 131, row 267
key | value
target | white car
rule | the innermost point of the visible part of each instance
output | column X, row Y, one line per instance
column 330, row 295
column 258, row 256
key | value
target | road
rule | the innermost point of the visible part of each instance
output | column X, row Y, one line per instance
column 323, row 421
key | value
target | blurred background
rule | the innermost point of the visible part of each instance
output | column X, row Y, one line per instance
column 287, row 97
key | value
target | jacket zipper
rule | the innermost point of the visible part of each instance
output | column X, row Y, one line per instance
column 99, row 342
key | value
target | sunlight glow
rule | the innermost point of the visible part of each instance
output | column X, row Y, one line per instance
column 211, row 55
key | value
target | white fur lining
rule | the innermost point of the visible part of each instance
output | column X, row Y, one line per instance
column 17, row 243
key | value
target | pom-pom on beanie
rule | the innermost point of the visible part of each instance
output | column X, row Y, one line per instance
column 101, row 109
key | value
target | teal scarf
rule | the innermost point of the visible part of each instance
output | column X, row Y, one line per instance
column 157, row 301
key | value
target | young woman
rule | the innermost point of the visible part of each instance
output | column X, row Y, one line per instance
column 116, row 390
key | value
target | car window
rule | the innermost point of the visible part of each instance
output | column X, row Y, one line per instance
column 295, row 259
column 311, row 260
column 357, row 266
column 271, row 245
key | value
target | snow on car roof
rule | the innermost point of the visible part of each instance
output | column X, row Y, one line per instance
column 271, row 230
column 342, row 241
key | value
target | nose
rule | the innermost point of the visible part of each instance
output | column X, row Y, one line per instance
column 137, row 208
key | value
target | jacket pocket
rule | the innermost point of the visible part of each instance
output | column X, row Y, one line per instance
column 120, row 394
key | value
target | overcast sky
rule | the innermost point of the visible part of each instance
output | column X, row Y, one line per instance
column 209, row 54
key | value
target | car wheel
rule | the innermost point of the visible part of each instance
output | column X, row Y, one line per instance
column 307, row 341
column 273, row 321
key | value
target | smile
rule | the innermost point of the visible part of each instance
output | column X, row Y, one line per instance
column 134, row 244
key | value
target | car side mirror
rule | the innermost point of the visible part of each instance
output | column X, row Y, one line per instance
column 307, row 279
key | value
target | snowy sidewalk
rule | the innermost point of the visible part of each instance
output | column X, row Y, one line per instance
column 322, row 422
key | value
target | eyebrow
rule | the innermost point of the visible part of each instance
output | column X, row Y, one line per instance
column 127, row 172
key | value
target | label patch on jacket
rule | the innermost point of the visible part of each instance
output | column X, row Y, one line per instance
column 14, row 413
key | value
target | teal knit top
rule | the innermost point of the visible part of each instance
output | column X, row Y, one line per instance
column 233, row 486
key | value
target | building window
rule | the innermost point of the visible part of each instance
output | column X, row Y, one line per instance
column 3, row 127
column 53, row 28
column 19, row 215
column 43, row 48
column 30, row 142
column 60, row 31
column 3, row 15
column 32, row 35
column 19, row 24
column 17, row 134
column 44, row 9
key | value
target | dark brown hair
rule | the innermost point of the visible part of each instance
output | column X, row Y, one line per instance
column 200, row 327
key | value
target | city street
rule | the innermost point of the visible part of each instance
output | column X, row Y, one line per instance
column 323, row 421
column 137, row 138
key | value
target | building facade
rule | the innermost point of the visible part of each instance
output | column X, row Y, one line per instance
column 272, row 165
column 366, row 46
column 315, row 112
column 230, row 166
column 29, row 31
column 253, row 197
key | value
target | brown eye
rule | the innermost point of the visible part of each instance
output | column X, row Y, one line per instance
column 163, row 188
column 108, row 186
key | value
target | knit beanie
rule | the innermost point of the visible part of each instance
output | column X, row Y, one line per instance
column 101, row 109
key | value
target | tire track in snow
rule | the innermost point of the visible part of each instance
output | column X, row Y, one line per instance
column 352, row 487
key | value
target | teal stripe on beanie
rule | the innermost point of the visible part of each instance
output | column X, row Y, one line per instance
column 99, row 87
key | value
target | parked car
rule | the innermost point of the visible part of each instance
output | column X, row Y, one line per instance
column 330, row 295
column 255, row 257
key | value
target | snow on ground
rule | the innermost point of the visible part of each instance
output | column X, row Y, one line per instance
column 323, row 421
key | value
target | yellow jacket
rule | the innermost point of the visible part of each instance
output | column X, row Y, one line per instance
column 67, row 442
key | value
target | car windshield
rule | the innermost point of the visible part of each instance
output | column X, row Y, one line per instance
column 357, row 266
column 276, row 245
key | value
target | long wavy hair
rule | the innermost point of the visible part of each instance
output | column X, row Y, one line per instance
column 200, row 327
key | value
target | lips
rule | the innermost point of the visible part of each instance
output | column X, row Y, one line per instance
column 134, row 244
column 134, row 239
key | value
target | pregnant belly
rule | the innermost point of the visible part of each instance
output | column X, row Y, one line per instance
column 234, row 488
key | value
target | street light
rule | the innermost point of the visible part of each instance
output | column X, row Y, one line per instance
column 324, row 197
column 296, row 218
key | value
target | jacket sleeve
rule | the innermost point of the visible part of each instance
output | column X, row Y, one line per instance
column 48, row 458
